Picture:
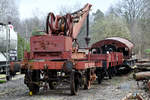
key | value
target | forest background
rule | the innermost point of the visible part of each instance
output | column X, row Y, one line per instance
column 127, row 19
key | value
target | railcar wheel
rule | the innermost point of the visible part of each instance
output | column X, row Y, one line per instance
column 109, row 73
column 34, row 89
column 8, row 77
column 74, row 84
column 115, row 70
column 99, row 78
column 34, row 77
column 87, row 85
column 112, row 71
column 99, row 75
column 52, row 85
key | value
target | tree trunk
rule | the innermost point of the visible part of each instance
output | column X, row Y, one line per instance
column 143, row 66
column 141, row 76
column 132, row 96
column 148, row 85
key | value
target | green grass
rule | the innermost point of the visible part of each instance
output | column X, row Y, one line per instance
column 2, row 81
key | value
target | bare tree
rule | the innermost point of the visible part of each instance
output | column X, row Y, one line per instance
column 133, row 11
column 8, row 10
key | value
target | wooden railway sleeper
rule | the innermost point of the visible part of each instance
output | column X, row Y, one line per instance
column 99, row 74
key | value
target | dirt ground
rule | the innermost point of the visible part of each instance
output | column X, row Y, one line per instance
column 110, row 89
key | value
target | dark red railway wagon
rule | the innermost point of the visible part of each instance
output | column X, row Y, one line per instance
column 114, row 53
column 115, row 44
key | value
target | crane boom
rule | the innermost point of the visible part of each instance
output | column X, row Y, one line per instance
column 81, row 14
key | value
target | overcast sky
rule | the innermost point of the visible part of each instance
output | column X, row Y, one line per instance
column 27, row 8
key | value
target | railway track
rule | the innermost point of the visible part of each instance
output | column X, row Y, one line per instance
column 114, row 89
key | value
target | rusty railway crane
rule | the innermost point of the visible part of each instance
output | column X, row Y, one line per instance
column 54, row 56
